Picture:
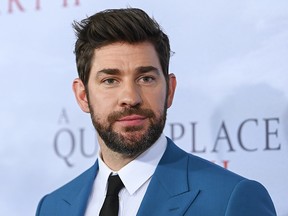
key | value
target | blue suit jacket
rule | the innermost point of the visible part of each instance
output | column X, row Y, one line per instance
column 182, row 184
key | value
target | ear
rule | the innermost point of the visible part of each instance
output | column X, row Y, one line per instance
column 81, row 95
column 171, row 90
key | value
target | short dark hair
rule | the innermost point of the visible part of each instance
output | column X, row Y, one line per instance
column 129, row 25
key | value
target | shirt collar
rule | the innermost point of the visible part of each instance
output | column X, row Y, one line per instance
column 138, row 171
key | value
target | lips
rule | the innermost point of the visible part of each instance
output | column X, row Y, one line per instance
column 132, row 120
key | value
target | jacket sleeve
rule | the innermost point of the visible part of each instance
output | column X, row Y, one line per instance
column 250, row 198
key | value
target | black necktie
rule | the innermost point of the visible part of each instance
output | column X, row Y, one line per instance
column 111, row 203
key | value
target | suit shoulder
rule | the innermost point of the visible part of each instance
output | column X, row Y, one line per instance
column 76, row 183
column 66, row 193
column 202, row 169
column 212, row 180
column 209, row 168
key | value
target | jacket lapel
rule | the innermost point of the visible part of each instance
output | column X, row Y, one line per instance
column 76, row 197
column 169, row 192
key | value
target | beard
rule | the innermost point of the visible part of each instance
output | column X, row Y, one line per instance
column 137, row 140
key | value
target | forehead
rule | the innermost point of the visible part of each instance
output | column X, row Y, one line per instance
column 125, row 56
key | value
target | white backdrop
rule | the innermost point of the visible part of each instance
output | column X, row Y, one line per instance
column 231, row 62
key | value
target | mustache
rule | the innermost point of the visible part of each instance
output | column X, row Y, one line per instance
column 130, row 111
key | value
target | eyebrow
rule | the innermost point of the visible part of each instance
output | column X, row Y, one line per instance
column 139, row 70
column 109, row 71
column 146, row 69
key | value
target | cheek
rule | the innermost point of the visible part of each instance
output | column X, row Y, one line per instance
column 100, row 107
column 157, row 101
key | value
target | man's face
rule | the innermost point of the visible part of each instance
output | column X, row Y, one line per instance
column 127, row 96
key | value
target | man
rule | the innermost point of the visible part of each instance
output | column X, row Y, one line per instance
column 122, row 59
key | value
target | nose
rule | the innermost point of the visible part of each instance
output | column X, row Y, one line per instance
column 130, row 95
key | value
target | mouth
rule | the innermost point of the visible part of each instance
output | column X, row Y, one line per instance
column 132, row 120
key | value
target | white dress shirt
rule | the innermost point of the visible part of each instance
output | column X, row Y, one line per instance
column 135, row 176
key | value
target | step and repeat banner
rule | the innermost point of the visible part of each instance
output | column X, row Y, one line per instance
column 231, row 62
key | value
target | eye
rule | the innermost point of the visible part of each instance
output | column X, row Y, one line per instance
column 146, row 79
column 110, row 81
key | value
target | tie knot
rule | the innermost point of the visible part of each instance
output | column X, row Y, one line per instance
column 114, row 185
